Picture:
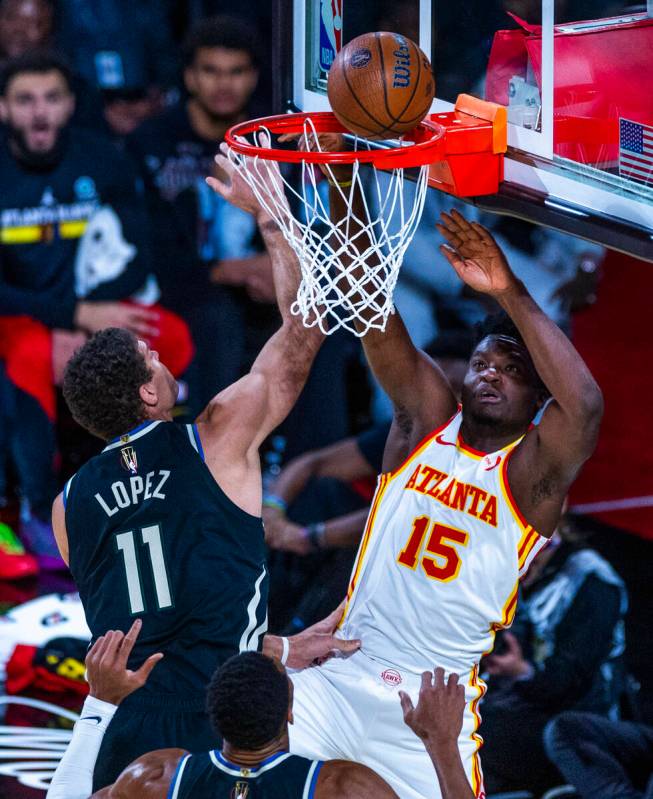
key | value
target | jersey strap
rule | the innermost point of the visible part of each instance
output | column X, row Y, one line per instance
column 194, row 438
column 311, row 779
column 175, row 785
column 66, row 491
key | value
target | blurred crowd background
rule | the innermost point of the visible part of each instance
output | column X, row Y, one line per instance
column 111, row 114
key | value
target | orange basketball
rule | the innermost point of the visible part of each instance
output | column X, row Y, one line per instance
column 380, row 85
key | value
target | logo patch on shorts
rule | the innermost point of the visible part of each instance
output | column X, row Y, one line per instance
column 360, row 58
column 391, row 677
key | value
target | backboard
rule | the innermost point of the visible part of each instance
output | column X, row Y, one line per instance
column 575, row 76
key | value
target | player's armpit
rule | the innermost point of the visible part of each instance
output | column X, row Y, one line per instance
column 59, row 526
column 542, row 468
column 148, row 777
column 341, row 779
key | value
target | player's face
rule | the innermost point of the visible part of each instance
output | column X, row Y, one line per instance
column 222, row 81
column 500, row 385
column 163, row 382
column 36, row 106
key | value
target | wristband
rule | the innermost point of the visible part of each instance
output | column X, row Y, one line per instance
column 285, row 651
column 97, row 712
column 315, row 535
column 273, row 501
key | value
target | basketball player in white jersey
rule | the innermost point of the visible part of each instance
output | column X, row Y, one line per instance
column 456, row 520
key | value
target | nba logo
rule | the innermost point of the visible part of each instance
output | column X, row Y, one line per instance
column 330, row 32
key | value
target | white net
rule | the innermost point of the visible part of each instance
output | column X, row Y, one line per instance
column 349, row 267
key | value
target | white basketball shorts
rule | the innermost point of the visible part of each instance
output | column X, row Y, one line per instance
column 349, row 709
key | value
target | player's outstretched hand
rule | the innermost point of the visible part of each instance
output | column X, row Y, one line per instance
column 438, row 717
column 236, row 190
column 475, row 255
column 107, row 674
column 318, row 643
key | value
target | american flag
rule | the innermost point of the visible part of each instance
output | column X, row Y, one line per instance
column 635, row 151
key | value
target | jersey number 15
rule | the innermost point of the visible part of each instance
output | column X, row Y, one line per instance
column 446, row 563
column 126, row 544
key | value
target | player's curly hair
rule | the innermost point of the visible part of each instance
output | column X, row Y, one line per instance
column 247, row 700
column 101, row 383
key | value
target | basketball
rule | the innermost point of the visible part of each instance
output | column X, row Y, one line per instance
column 380, row 85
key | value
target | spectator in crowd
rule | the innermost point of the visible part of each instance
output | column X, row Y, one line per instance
column 211, row 263
column 126, row 109
column 118, row 44
column 27, row 26
column 600, row 757
column 72, row 246
column 316, row 509
column 564, row 652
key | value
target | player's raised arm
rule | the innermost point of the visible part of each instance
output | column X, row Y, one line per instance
column 437, row 721
column 550, row 456
column 420, row 392
column 257, row 403
column 110, row 681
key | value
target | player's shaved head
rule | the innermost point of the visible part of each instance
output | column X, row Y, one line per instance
column 248, row 700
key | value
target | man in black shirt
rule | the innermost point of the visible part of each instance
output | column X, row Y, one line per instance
column 72, row 245
column 211, row 263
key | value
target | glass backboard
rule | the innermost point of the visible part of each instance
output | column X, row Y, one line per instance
column 575, row 76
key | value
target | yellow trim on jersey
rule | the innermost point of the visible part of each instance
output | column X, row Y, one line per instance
column 384, row 480
column 477, row 773
column 73, row 230
column 423, row 444
column 23, row 234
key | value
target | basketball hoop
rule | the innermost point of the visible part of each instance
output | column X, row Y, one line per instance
column 349, row 267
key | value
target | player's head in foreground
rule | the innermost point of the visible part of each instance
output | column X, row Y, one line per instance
column 501, row 388
column 249, row 701
column 36, row 104
column 115, row 382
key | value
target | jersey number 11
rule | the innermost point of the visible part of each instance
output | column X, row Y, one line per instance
column 151, row 537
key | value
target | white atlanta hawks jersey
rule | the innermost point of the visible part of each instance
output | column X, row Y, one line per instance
column 438, row 566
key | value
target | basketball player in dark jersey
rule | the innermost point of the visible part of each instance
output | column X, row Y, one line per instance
column 250, row 704
column 165, row 524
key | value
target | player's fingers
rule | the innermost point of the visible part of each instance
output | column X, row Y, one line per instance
column 109, row 649
column 427, row 678
column 346, row 647
column 218, row 187
column 129, row 640
column 406, row 703
column 452, row 681
column 95, row 652
column 452, row 256
column 438, row 675
column 460, row 220
column 334, row 617
column 144, row 672
column 483, row 233
column 447, row 221
column 453, row 238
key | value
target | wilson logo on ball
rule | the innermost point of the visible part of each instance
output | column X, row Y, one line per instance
column 401, row 74
column 361, row 58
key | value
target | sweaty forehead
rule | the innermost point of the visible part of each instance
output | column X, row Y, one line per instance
column 503, row 345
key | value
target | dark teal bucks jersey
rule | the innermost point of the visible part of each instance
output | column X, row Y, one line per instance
column 210, row 776
column 151, row 535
